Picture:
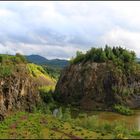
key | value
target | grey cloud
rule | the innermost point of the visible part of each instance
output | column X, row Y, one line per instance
column 54, row 28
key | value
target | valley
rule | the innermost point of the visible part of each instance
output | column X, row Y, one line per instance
column 95, row 96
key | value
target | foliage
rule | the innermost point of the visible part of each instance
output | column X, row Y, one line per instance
column 5, row 70
column 54, row 72
column 103, row 55
column 46, row 93
column 11, row 59
column 123, row 110
column 45, row 89
column 66, row 115
column 53, row 63
column 79, row 57
column 38, row 71
column 8, row 63
column 90, row 123
column 35, row 70
column 20, row 58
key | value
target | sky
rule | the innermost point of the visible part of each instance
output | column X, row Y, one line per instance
column 57, row 29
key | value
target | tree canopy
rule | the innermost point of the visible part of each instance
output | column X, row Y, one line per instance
column 102, row 55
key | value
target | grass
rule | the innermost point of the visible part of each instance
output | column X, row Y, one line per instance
column 46, row 89
column 23, row 125
column 35, row 70
column 5, row 70
column 46, row 93
column 38, row 71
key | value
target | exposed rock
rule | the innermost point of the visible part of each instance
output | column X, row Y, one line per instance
column 1, row 117
column 18, row 91
column 98, row 86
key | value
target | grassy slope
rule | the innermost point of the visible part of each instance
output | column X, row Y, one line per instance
column 40, row 75
column 9, row 63
column 37, row 71
column 25, row 125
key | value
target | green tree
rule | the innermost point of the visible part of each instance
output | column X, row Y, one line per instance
column 109, row 53
column 126, row 56
column 20, row 58
column 103, row 57
column 79, row 57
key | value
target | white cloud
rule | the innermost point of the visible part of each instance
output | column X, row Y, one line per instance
column 58, row 29
column 48, row 51
column 122, row 37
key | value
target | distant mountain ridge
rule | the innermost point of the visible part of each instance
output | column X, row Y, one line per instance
column 37, row 59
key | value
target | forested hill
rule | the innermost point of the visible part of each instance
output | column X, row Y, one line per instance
column 37, row 59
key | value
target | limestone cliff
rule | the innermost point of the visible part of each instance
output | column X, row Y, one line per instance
column 99, row 85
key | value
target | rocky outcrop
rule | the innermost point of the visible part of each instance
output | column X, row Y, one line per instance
column 18, row 91
column 98, row 86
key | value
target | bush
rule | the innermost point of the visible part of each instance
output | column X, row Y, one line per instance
column 79, row 57
column 20, row 58
column 11, row 59
column 123, row 110
column 89, row 122
column 5, row 70
column 46, row 93
column 54, row 72
column 66, row 115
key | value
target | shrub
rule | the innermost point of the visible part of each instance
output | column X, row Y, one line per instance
column 5, row 70
column 46, row 93
column 79, row 57
column 123, row 110
column 11, row 59
column 90, row 122
column 20, row 58
column 67, row 114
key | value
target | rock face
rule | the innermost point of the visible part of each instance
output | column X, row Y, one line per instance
column 18, row 92
column 98, row 86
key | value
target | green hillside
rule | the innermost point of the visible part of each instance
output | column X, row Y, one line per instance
column 55, row 63
column 9, row 64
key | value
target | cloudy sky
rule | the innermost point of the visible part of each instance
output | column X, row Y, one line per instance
column 58, row 29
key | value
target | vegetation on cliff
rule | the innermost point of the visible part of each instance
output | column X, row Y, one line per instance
column 8, row 63
column 37, row 71
column 106, row 54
